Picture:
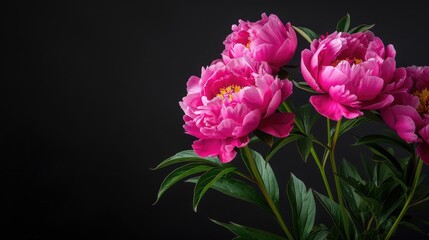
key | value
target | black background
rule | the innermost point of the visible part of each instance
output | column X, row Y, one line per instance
column 89, row 98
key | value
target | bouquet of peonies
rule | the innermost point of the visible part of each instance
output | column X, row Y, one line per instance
column 241, row 101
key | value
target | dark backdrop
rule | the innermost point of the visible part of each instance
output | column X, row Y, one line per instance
column 89, row 98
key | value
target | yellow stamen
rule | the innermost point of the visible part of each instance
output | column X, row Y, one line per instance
column 228, row 91
column 248, row 44
column 423, row 96
column 351, row 61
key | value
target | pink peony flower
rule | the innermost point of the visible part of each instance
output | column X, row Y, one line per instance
column 229, row 102
column 266, row 40
column 352, row 72
column 408, row 115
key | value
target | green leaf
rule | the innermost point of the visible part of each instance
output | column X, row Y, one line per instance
column 421, row 194
column 306, row 118
column 321, row 235
column 373, row 115
column 320, row 232
column 254, row 139
column 304, row 146
column 352, row 199
column 266, row 173
column 386, row 155
column 304, row 86
column 306, row 33
column 344, row 24
column 243, row 232
column 333, row 210
column 238, row 189
column 392, row 202
column 281, row 143
column 179, row 174
column 309, row 34
column 348, row 170
column 378, row 138
column 206, row 181
column 185, row 157
column 412, row 226
column 303, row 207
column 264, row 137
column 361, row 28
column 349, row 124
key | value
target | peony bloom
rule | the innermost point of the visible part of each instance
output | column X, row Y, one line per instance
column 352, row 72
column 266, row 40
column 408, row 115
column 229, row 102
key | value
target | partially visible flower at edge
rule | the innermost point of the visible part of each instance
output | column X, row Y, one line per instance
column 266, row 40
column 408, row 115
column 229, row 102
column 352, row 72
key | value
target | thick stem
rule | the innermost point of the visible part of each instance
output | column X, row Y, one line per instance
column 264, row 191
column 336, row 178
column 407, row 203
column 322, row 172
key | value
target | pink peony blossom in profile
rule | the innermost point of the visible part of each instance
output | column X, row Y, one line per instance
column 408, row 115
column 352, row 72
column 229, row 102
column 266, row 40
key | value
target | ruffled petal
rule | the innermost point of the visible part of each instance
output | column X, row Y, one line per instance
column 330, row 76
column 307, row 71
column 331, row 109
column 406, row 128
column 278, row 124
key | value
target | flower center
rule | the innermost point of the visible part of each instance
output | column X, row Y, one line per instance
column 248, row 44
column 350, row 60
column 227, row 92
column 423, row 96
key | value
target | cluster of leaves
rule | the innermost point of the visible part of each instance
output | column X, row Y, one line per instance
column 373, row 198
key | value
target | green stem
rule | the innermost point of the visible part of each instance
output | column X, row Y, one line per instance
column 322, row 172
column 369, row 223
column 264, row 191
column 407, row 203
column 336, row 178
column 328, row 134
column 245, row 176
column 321, row 144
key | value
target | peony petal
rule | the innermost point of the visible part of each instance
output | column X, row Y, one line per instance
column 252, row 97
column 307, row 71
column 379, row 102
column 366, row 88
column 193, row 85
column 424, row 134
column 331, row 50
column 330, row 76
column 207, row 147
column 341, row 95
column 331, row 109
column 274, row 103
column 286, row 88
column 278, row 124
column 390, row 51
column 409, row 111
column 226, row 127
column 229, row 146
column 388, row 69
column 405, row 127
column 250, row 123
column 423, row 152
